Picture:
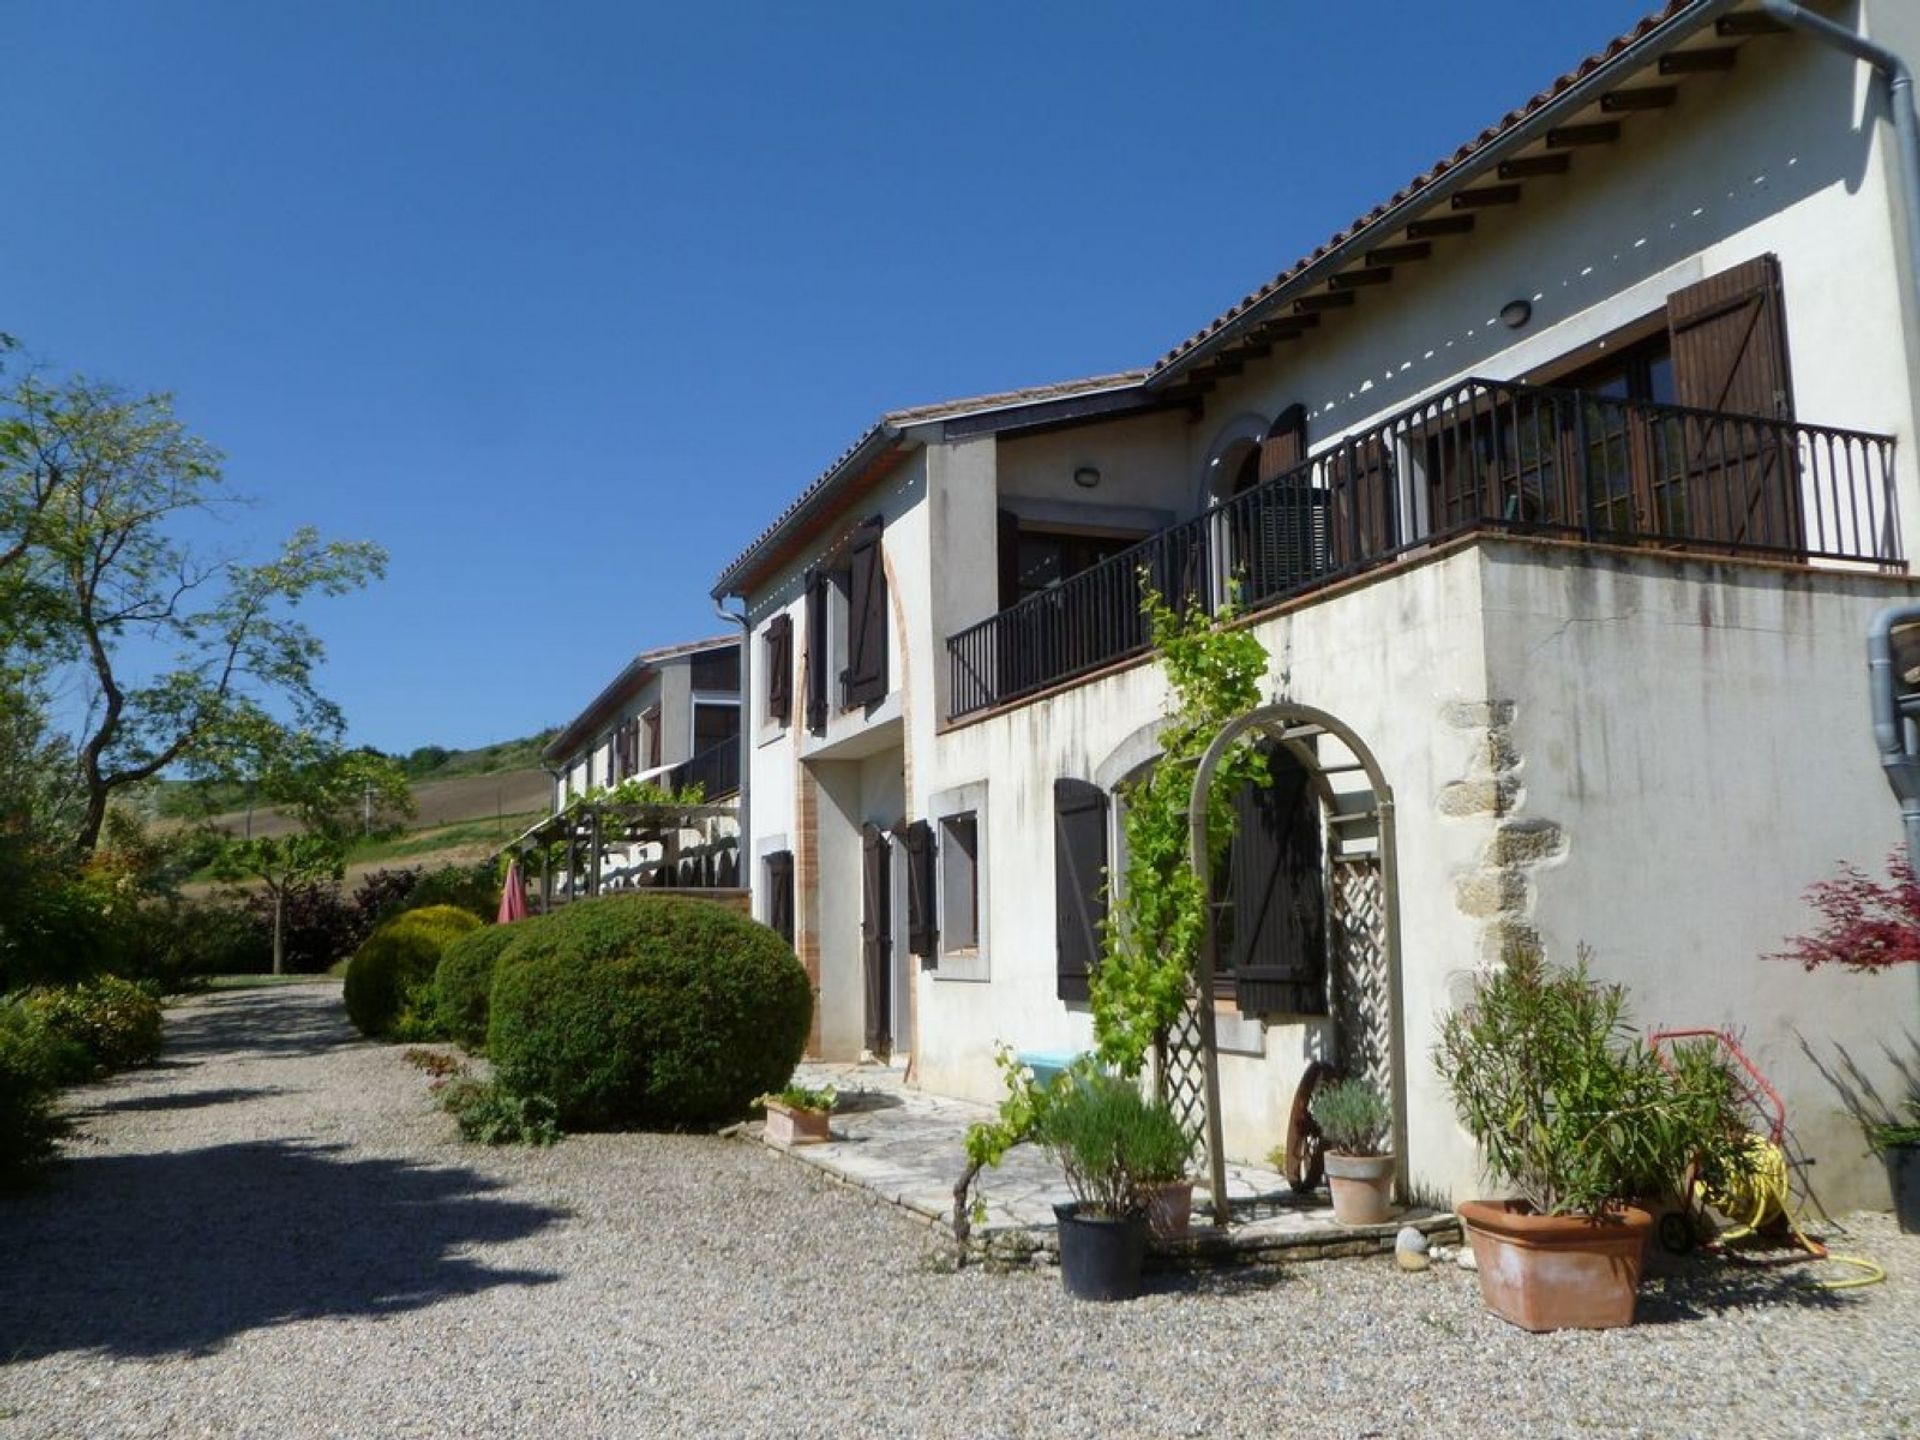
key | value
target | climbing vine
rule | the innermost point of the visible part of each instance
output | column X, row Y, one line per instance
column 1157, row 919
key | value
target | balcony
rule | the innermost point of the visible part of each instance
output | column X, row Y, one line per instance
column 716, row 770
column 1481, row 456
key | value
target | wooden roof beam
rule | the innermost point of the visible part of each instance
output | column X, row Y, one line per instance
column 1525, row 167
column 1355, row 279
column 1565, row 137
column 1698, row 62
column 1644, row 97
column 1486, row 195
column 1748, row 22
column 1399, row 254
column 1436, row 225
column 1334, row 300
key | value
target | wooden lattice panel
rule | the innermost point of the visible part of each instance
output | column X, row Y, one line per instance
column 1362, row 1004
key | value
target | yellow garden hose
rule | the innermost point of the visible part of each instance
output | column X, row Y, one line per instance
column 1757, row 1194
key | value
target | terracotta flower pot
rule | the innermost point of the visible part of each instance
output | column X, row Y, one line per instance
column 1361, row 1187
column 1557, row 1272
column 1170, row 1209
column 788, row 1126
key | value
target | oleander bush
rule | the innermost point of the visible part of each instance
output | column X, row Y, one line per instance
column 389, row 981
column 115, row 1023
column 648, row 1012
column 464, row 980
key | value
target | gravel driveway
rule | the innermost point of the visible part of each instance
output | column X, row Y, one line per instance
column 275, row 1234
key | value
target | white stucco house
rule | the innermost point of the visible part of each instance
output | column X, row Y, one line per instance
column 1562, row 486
column 671, row 715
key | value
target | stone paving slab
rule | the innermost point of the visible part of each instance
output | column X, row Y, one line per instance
column 907, row 1146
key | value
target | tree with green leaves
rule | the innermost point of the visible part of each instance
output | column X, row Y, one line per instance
column 335, row 796
column 178, row 655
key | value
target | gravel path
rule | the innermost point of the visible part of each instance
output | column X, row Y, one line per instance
column 275, row 1234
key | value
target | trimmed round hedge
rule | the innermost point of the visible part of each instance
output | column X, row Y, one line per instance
column 391, row 974
column 465, row 979
column 648, row 1011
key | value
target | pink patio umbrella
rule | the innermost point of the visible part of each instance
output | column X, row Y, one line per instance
column 513, row 897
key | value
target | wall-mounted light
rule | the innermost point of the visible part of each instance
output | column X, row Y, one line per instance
column 1086, row 477
column 1516, row 313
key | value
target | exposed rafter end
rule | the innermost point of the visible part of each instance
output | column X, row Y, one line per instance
column 1525, row 167
column 1486, row 195
column 1437, row 225
column 1646, row 97
column 1698, row 62
column 1355, row 279
column 1600, row 132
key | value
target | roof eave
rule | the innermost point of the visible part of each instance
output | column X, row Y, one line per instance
column 1576, row 97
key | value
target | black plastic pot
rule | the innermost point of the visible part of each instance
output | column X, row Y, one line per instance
column 1100, row 1258
column 1903, row 1175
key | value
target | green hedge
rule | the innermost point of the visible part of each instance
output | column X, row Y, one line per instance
column 648, row 1011
column 31, row 1069
column 389, row 979
column 114, row 1022
column 465, row 979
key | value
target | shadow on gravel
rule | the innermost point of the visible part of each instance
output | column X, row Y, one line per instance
column 182, row 1100
column 1704, row 1288
column 262, row 1022
column 147, row 1256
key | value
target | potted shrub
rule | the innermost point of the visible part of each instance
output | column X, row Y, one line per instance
column 1356, row 1121
column 799, row 1115
column 1573, row 1110
column 1105, row 1135
column 1161, row 1151
column 1899, row 1146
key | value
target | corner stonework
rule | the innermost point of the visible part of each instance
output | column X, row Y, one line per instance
column 1498, row 891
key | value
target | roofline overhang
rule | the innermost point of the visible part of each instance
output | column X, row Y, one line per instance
column 630, row 681
column 895, row 433
column 1583, row 92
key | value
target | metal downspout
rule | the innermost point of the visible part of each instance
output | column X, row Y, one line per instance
column 1889, row 725
column 743, row 857
column 1899, row 77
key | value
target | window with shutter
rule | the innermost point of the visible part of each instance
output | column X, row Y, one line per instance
column 1729, row 342
column 779, row 650
column 864, row 681
column 1365, row 522
column 1079, row 882
column 818, row 602
column 1273, row 918
column 922, row 930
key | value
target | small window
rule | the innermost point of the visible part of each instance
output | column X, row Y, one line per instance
column 714, row 724
column 777, row 905
column 959, row 852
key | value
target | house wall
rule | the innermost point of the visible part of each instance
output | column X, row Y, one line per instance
column 1701, row 733
column 811, row 794
column 1396, row 659
column 1782, row 154
column 1582, row 748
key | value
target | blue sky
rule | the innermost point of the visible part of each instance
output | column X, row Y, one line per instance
column 562, row 303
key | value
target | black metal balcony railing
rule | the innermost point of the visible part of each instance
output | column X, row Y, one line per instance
column 1482, row 455
column 716, row 769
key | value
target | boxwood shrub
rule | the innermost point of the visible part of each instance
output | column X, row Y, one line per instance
column 648, row 1011
column 465, row 979
column 390, row 978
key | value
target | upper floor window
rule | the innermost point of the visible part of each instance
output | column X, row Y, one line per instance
column 846, row 618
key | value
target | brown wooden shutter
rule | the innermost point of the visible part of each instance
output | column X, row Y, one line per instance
column 780, row 894
column 1079, row 883
column 922, row 927
column 1364, row 514
column 780, row 668
column 1279, row 955
column 876, row 937
column 1007, row 550
column 816, row 617
column 1729, row 340
column 1285, row 445
column 865, row 678
column 652, row 719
